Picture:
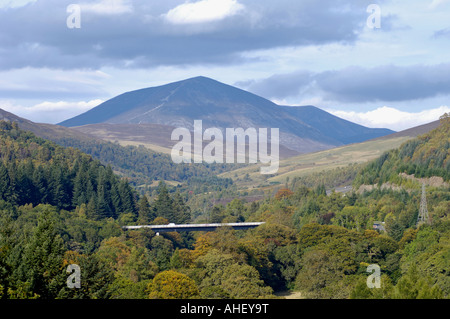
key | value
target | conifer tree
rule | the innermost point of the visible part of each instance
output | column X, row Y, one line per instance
column 163, row 205
column 127, row 198
column 5, row 183
column 116, row 201
column 43, row 258
column 182, row 212
column 145, row 213
column 79, row 189
column 40, row 184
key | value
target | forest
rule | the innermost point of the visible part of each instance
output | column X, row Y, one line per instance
column 139, row 164
column 59, row 206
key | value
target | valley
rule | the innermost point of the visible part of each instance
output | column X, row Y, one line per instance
column 66, row 194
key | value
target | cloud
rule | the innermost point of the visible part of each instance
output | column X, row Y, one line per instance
column 50, row 112
column 107, row 7
column 437, row 3
column 388, row 117
column 280, row 86
column 14, row 3
column 355, row 84
column 49, row 84
column 385, row 83
column 136, row 34
column 203, row 11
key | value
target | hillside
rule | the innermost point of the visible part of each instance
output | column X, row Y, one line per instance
column 155, row 137
column 139, row 164
column 426, row 156
column 317, row 165
column 178, row 104
column 344, row 131
column 36, row 171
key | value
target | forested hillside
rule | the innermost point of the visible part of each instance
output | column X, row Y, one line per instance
column 426, row 156
column 35, row 171
column 139, row 164
column 317, row 244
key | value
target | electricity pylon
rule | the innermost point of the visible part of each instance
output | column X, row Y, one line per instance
column 423, row 211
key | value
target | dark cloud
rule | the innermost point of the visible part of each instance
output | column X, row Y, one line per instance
column 281, row 85
column 356, row 84
column 36, row 35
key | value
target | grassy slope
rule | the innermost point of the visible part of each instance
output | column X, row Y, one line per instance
column 315, row 162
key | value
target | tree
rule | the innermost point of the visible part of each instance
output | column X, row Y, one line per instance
column 161, row 252
column 103, row 208
column 325, row 269
column 414, row 286
column 126, row 198
column 163, row 205
column 235, row 211
column 182, row 212
column 96, row 277
column 361, row 291
column 243, row 281
column 41, row 185
column 284, row 193
column 9, row 190
column 288, row 262
column 43, row 258
column 234, row 280
column 321, row 190
column 5, row 183
column 217, row 214
column 171, row 284
column 145, row 214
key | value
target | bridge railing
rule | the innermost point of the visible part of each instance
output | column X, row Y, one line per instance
column 194, row 227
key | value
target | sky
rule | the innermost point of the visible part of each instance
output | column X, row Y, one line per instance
column 379, row 63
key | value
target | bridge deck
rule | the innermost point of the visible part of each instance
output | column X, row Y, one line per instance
column 194, row 227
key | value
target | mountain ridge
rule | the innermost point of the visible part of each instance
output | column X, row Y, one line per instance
column 221, row 105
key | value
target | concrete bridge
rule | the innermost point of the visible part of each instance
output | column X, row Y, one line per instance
column 194, row 227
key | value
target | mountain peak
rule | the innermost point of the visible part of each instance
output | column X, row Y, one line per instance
column 201, row 78
column 198, row 96
column 220, row 105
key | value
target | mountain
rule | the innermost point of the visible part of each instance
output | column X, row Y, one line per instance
column 303, row 129
column 344, row 131
column 414, row 131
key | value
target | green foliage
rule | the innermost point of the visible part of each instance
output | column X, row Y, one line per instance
column 96, row 278
column 234, row 280
column 141, row 165
column 331, row 178
column 33, row 257
column 59, row 207
column 35, row 171
column 172, row 208
column 172, row 285
column 426, row 156
column 413, row 286
column 322, row 275
column 144, row 212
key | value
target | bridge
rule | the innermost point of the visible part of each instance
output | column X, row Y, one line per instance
column 194, row 227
